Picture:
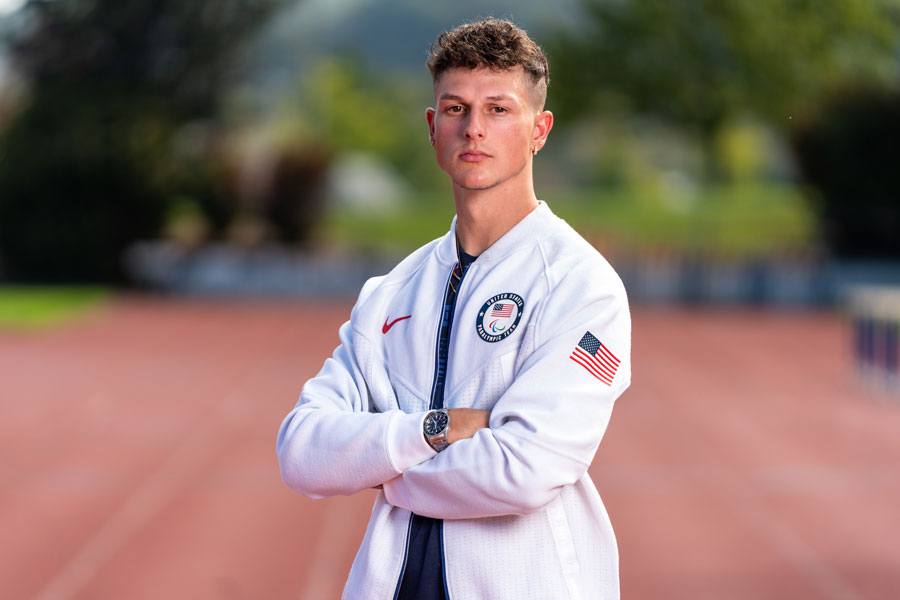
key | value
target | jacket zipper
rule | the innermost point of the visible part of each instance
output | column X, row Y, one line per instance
column 451, row 291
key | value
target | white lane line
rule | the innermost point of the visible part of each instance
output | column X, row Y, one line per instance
column 748, row 502
column 326, row 574
column 792, row 547
column 182, row 466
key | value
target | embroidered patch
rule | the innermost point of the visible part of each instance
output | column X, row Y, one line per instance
column 499, row 316
column 596, row 358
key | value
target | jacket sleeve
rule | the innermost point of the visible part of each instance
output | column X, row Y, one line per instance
column 334, row 442
column 544, row 430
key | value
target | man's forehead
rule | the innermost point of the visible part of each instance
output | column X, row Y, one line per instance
column 461, row 83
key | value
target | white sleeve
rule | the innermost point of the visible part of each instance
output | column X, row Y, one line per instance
column 544, row 430
column 332, row 443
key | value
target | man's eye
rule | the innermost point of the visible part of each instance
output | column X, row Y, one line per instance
column 499, row 110
column 454, row 109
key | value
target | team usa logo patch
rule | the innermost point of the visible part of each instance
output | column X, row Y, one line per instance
column 499, row 317
column 596, row 358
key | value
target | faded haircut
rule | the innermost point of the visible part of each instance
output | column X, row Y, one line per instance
column 495, row 44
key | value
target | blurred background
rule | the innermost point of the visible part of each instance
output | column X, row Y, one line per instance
column 728, row 152
column 172, row 171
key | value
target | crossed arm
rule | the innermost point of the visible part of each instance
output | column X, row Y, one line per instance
column 335, row 443
column 464, row 423
column 540, row 435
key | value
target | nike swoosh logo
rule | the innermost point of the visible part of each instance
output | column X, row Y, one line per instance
column 387, row 326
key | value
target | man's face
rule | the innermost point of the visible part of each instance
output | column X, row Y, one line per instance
column 484, row 126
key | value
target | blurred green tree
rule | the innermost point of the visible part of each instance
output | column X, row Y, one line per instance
column 699, row 63
column 122, row 98
column 350, row 106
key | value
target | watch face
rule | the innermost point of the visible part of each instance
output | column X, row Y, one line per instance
column 435, row 423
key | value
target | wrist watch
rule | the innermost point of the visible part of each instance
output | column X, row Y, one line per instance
column 435, row 427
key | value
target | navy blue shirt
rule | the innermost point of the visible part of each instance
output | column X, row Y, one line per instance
column 423, row 576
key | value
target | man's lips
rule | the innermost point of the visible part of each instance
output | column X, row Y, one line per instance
column 473, row 155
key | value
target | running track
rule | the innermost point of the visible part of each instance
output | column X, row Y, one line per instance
column 138, row 459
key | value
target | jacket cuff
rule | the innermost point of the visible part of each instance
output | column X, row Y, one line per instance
column 406, row 445
column 397, row 494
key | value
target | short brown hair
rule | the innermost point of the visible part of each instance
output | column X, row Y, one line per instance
column 492, row 43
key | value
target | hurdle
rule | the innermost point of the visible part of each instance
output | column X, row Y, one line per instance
column 874, row 314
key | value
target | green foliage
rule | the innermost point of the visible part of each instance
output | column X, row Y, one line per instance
column 178, row 52
column 741, row 148
column 700, row 62
column 746, row 221
column 92, row 161
column 707, row 65
column 849, row 153
column 390, row 233
column 349, row 107
column 70, row 198
column 355, row 112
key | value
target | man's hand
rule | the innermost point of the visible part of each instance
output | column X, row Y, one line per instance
column 464, row 422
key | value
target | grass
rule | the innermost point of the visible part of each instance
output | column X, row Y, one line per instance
column 33, row 307
column 754, row 220
column 394, row 232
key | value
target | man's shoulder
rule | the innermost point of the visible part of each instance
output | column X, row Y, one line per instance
column 405, row 270
column 568, row 257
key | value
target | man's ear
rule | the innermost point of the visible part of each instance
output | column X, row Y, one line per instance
column 429, row 116
column 543, row 123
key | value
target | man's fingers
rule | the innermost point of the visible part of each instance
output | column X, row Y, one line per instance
column 465, row 422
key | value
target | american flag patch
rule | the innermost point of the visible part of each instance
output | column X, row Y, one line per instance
column 502, row 310
column 596, row 358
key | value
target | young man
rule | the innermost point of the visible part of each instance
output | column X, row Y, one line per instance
column 473, row 382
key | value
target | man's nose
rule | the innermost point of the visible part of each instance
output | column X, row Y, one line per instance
column 474, row 127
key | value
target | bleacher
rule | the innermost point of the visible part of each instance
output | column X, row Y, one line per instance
column 874, row 313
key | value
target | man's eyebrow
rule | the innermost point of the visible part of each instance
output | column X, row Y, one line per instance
column 455, row 98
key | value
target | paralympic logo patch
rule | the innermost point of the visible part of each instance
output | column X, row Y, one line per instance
column 499, row 316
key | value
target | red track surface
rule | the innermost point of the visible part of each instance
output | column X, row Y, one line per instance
column 139, row 460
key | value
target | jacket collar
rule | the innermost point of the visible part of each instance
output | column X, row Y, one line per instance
column 524, row 233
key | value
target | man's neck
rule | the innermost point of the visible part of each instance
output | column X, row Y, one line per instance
column 484, row 216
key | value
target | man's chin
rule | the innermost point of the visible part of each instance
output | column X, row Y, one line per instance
column 475, row 185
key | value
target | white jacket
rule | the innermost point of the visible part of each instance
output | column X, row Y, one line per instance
column 522, row 517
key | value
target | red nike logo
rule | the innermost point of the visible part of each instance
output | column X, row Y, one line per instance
column 387, row 326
